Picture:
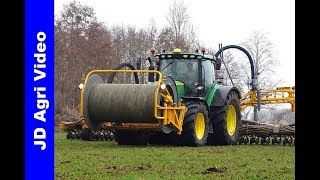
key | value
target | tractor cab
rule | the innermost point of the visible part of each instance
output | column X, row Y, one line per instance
column 193, row 72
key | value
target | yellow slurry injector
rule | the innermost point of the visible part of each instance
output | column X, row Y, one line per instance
column 253, row 132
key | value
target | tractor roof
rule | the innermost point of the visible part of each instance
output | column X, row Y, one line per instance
column 178, row 54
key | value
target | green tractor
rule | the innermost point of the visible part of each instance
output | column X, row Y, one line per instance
column 181, row 102
column 213, row 111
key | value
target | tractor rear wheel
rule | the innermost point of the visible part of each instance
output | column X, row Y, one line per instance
column 195, row 125
column 226, row 122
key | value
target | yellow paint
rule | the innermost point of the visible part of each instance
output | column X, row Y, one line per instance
column 199, row 126
column 177, row 51
column 84, row 124
column 278, row 96
column 231, row 120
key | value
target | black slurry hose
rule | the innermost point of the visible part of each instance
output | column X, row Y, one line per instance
column 253, row 74
column 129, row 65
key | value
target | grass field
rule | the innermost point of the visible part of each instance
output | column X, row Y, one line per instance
column 76, row 159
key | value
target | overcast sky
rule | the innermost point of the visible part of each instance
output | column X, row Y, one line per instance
column 225, row 21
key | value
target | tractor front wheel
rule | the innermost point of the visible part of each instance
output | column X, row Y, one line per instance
column 195, row 125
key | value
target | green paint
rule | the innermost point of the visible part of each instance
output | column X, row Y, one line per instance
column 180, row 88
column 210, row 94
column 181, row 91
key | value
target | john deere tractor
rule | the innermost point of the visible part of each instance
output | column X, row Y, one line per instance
column 180, row 102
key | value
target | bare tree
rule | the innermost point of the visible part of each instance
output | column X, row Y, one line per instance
column 165, row 40
column 178, row 20
column 152, row 32
column 233, row 67
column 180, row 27
column 261, row 50
column 131, row 44
column 81, row 45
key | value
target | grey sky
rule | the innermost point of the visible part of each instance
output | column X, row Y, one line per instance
column 227, row 22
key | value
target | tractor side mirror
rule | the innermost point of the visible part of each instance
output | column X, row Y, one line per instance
column 218, row 63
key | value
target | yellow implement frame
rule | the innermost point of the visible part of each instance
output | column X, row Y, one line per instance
column 277, row 96
column 81, row 124
column 171, row 114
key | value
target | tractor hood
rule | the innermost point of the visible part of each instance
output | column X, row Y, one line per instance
column 180, row 88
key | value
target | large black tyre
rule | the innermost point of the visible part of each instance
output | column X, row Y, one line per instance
column 131, row 138
column 195, row 125
column 226, row 121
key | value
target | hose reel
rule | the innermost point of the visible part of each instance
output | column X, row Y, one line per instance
column 132, row 103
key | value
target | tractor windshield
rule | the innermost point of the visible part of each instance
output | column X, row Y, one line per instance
column 185, row 70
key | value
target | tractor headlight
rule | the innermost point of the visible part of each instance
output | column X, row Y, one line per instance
column 163, row 86
column 199, row 88
column 81, row 86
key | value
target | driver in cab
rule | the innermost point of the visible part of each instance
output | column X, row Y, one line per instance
column 190, row 78
column 191, row 73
